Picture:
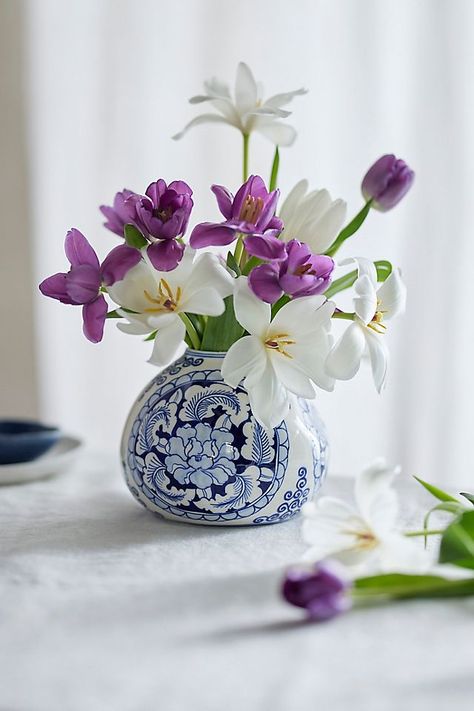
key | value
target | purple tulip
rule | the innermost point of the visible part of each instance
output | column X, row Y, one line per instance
column 251, row 212
column 301, row 273
column 386, row 182
column 122, row 213
column 322, row 591
column 80, row 286
column 161, row 215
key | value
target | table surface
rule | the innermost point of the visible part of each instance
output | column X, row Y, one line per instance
column 104, row 606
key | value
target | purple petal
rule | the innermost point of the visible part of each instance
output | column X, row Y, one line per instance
column 165, row 255
column 55, row 287
column 387, row 181
column 93, row 316
column 263, row 280
column 113, row 222
column 265, row 247
column 210, row 234
column 83, row 283
column 268, row 212
column 240, row 197
column 224, row 200
column 118, row 262
column 180, row 187
column 78, row 250
column 155, row 190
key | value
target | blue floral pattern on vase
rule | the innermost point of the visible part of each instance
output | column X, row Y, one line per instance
column 192, row 450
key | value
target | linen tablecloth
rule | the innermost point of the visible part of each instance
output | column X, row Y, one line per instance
column 104, row 606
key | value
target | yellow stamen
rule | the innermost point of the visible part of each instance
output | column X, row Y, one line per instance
column 165, row 300
column 251, row 209
column 278, row 342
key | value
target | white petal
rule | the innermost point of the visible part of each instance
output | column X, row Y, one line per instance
column 203, row 118
column 207, row 269
column 268, row 399
column 252, row 313
column 169, row 343
column 325, row 527
column 365, row 303
column 375, row 496
column 396, row 553
column 378, row 352
column 290, row 376
column 311, row 353
column 245, row 358
column 302, row 315
column 292, row 200
column 364, row 266
column 392, row 295
column 279, row 100
column 135, row 325
column 328, row 226
column 280, row 134
column 206, row 301
column 130, row 291
column 246, row 93
column 343, row 362
column 217, row 88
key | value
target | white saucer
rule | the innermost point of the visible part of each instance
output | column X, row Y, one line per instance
column 56, row 460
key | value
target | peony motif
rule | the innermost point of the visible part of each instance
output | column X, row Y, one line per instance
column 202, row 456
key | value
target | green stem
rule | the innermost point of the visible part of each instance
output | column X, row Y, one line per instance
column 413, row 534
column 191, row 331
column 245, row 162
column 350, row 229
column 274, row 171
column 344, row 315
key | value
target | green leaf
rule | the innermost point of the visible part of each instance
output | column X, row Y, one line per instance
column 151, row 336
column 222, row 331
column 252, row 262
column 469, row 497
column 434, row 491
column 457, row 543
column 232, row 264
column 349, row 229
column 134, row 237
column 401, row 586
column 274, row 171
column 383, row 267
column 113, row 314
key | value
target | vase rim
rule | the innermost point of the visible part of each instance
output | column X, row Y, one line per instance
column 207, row 354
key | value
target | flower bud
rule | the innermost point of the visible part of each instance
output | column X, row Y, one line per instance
column 386, row 182
column 322, row 591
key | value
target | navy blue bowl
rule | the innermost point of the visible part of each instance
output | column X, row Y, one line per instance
column 24, row 440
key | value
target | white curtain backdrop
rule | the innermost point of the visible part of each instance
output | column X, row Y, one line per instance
column 107, row 85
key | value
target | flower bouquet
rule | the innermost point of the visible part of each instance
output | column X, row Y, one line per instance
column 226, row 432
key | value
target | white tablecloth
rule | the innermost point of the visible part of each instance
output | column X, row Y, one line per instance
column 104, row 606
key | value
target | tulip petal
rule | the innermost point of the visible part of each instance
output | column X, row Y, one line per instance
column 94, row 315
column 280, row 134
column 208, row 270
column 224, row 200
column 343, row 362
column 328, row 226
column 265, row 247
column 293, row 199
column 55, row 287
column 203, row 118
column 290, row 376
column 78, row 250
column 268, row 399
column 118, row 262
column 83, row 283
column 252, row 313
column 375, row 497
column 365, row 303
column 211, row 234
column 168, row 343
column 205, row 300
column 166, row 254
column 246, row 358
column 392, row 295
column 279, row 100
column 246, row 91
column 378, row 358
column 263, row 280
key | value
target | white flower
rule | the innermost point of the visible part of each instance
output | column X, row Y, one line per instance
column 312, row 217
column 247, row 111
column 365, row 536
column 372, row 308
column 280, row 357
column 158, row 298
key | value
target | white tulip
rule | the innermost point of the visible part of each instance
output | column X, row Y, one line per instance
column 312, row 217
column 372, row 308
column 197, row 285
column 247, row 111
column 280, row 357
column 364, row 536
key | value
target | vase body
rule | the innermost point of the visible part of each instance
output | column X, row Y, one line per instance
column 193, row 452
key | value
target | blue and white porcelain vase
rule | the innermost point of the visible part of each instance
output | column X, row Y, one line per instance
column 192, row 450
